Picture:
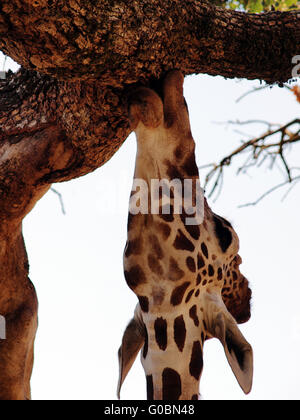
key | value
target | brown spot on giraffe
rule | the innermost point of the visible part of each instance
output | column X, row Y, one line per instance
column 171, row 385
column 196, row 363
column 133, row 247
column 135, row 276
column 144, row 303
column 211, row 270
column 161, row 336
column 179, row 332
column 179, row 153
column 199, row 279
column 189, row 166
column 200, row 262
column 156, row 248
column 182, row 242
column 154, row 265
column 193, row 230
column 204, row 249
column 145, row 347
column 190, row 262
column 193, row 315
column 172, row 171
column 175, row 272
column 150, row 389
column 158, row 295
column 166, row 213
column 178, row 293
column 164, row 229
column 189, row 295
column 130, row 220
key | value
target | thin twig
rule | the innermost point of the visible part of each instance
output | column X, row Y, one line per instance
column 251, row 91
column 257, row 89
column 294, row 182
column 260, row 151
column 60, row 200
column 254, row 203
column 238, row 122
column 4, row 62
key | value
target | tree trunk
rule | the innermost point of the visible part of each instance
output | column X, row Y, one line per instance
column 64, row 113
column 18, row 304
column 25, row 161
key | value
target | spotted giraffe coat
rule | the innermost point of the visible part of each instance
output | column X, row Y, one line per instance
column 186, row 277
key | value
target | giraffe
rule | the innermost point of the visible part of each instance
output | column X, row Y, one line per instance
column 186, row 276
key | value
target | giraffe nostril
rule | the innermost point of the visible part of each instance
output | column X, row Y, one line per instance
column 238, row 259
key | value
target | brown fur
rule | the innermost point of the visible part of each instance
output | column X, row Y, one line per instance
column 183, row 269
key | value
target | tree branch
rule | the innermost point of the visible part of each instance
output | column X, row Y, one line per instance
column 259, row 151
column 123, row 42
column 61, row 201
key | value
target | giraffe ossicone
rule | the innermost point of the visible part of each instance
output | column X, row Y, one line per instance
column 186, row 276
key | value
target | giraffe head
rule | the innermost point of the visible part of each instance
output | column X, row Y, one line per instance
column 186, row 276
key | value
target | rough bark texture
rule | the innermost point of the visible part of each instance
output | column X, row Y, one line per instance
column 122, row 42
column 92, row 120
column 89, row 54
column 64, row 113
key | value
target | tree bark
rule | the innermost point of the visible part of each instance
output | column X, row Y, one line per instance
column 121, row 42
column 90, row 54
column 25, row 161
column 93, row 120
column 64, row 114
column 18, row 304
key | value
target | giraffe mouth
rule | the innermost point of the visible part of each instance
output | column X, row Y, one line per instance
column 240, row 307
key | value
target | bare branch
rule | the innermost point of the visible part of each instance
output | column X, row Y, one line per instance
column 251, row 91
column 60, row 200
column 260, row 151
column 294, row 182
column 256, row 89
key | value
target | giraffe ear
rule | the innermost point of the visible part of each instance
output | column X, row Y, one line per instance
column 237, row 350
column 132, row 342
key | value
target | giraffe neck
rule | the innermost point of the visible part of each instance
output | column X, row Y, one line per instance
column 177, row 269
column 158, row 158
column 173, row 358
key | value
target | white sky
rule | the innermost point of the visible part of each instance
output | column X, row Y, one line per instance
column 76, row 262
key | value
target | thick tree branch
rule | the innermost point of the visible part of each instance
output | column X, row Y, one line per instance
column 123, row 42
column 93, row 121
